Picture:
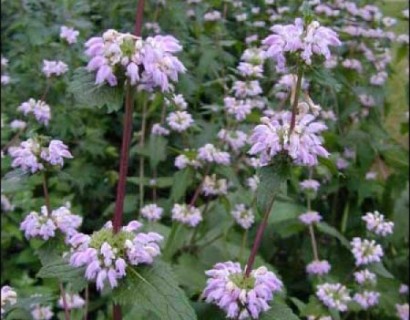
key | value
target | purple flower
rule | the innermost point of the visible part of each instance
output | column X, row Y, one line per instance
column 333, row 295
column 240, row 297
column 209, row 153
column 376, row 223
column 152, row 212
column 56, row 153
column 25, row 156
column 74, row 301
column 243, row 216
column 303, row 145
column 38, row 225
column 40, row 110
column 185, row 214
column 403, row 311
column 318, row 267
column 366, row 251
column 365, row 276
column 310, row 217
column 309, row 184
column 367, row 299
column 54, row 68
column 69, row 34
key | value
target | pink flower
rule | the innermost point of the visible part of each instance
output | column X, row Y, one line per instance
column 318, row 267
column 69, row 34
column 310, row 217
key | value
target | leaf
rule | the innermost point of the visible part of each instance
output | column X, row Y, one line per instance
column 381, row 270
column 271, row 178
column 329, row 164
column 157, row 150
column 331, row 231
column 191, row 273
column 279, row 311
column 182, row 180
column 155, row 288
column 88, row 94
column 15, row 181
column 283, row 211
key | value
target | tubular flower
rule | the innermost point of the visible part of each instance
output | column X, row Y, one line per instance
column 366, row 251
column 333, row 295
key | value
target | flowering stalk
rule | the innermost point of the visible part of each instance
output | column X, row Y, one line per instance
column 126, row 140
column 258, row 239
column 66, row 311
column 312, row 236
column 296, row 98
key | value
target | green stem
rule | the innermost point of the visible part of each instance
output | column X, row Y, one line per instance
column 142, row 160
column 243, row 244
column 66, row 311
column 46, row 195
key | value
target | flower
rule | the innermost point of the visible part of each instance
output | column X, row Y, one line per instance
column 6, row 205
column 69, row 34
column 341, row 163
column 404, row 289
column 303, row 145
column 178, row 101
column 333, row 295
column 403, row 311
column 25, row 156
column 353, row 64
column 40, row 110
column 18, row 125
column 246, row 89
column 253, row 182
column 73, row 301
column 179, row 120
column 371, row 175
column 152, row 212
column 105, row 255
column 150, row 62
column 315, row 39
column 55, row 153
column 318, row 267
column 365, row 276
column 158, row 130
column 41, row 313
column 214, row 187
column 240, row 297
column 238, row 108
column 209, row 153
column 367, row 299
column 366, row 251
column 8, row 296
column 184, row 160
column 243, row 216
column 54, row 68
column 310, row 217
column 236, row 139
column 45, row 224
column 367, row 100
column 185, row 214
column 375, row 223
column 212, row 16
column 309, row 184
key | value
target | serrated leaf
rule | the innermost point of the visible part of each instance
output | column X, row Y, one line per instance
column 156, row 289
column 279, row 311
column 88, row 94
column 331, row 231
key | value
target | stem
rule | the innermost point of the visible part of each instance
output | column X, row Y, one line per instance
column 199, row 188
column 258, row 240
column 139, row 17
column 314, row 244
column 66, row 311
column 126, row 140
column 116, row 312
column 142, row 160
column 46, row 195
column 296, row 100
column 87, row 298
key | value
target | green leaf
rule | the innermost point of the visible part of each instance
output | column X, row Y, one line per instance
column 329, row 164
column 381, row 270
column 331, row 231
column 279, row 311
column 182, row 180
column 271, row 179
column 88, row 94
column 283, row 211
column 15, row 181
column 157, row 147
column 156, row 289
column 191, row 273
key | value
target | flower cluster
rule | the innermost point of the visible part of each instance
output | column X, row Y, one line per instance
column 8, row 297
column 31, row 156
column 310, row 185
column 318, row 267
column 45, row 224
column 310, row 217
column 367, row 299
column 69, row 34
column 403, row 311
column 106, row 255
column 5, row 78
column 243, row 216
column 214, row 187
column 312, row 40
column 209, row 153
column 303, row 144
column 241, row 297
column 54, row 68
column 73, row 301
column 365, row 276
column 39, row 312
column 376, row 223
column 366, row 251
column 333, row 295
column 152, row 212
column 180, row 120
column 186, row 214
column 39, row 109
column 148, row 62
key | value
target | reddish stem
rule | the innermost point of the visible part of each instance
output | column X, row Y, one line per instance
column 296, row 100
column 258, row 240
column 126, row 141
column 139, row 17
